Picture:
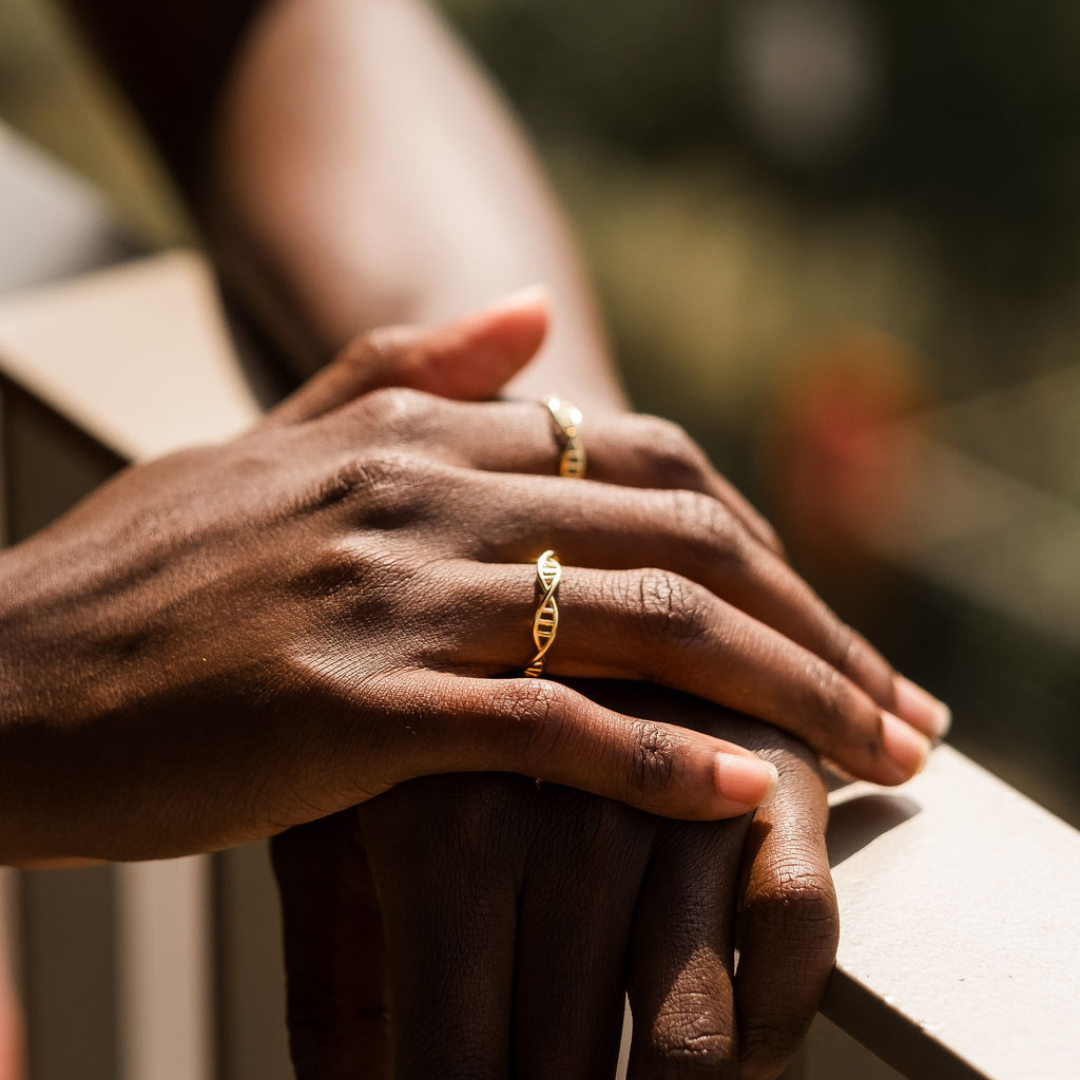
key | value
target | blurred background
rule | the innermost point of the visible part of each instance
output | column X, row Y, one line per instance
column 839, row 240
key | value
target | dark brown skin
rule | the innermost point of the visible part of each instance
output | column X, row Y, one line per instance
column 354, row 171
column 482, row 926
column 248, row 636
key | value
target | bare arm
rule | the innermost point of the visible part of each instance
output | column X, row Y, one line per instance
column 353, row 169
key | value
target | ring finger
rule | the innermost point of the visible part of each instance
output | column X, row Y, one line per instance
column 693, row 535
column 655, row 625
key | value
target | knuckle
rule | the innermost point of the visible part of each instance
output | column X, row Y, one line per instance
column 707, row 527
column 797, row 909
column 673, row 609
column 385, row 342
column 766, row 1045
column 334, row 568
column 856, row 658
column 400, row 407
column 383, row 485
column 842, row 645
column 690, row 1040
column 673, row 458
column 338, row 486
column 540, row 711
column 770, row 537
column 653, row 763
column 828, row 696
column 373, row 355
column 345, row 568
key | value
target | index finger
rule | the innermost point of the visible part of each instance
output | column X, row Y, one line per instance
column 682, row 955
column 789, row 924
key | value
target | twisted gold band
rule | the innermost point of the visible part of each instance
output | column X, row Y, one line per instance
column 567, row 420
column 546, row 622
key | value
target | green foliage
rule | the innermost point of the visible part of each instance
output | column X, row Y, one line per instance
column 977, row 132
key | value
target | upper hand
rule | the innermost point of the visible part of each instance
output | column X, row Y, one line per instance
column 238, row 638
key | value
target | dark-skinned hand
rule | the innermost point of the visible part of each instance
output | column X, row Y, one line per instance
column 486, row 927
column 240, row 638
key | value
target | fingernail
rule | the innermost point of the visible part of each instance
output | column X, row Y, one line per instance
column 907, row 748
column 527, row 297
column 923, row 710
column 746, row 780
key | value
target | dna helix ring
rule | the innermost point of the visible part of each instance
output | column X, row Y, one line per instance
column 546, row 622
column 567, row 419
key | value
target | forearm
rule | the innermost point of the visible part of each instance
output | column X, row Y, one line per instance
column 362, row 173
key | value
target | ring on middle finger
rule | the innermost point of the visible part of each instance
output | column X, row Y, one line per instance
column 567, row 420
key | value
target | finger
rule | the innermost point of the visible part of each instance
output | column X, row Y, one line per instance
column 337, row 995
column 471, row 358
column 663, row 628
column 544, row 729
column 631, row 450
column 581, row 881
column 682, row 956
column 650, row 452
column 448, row 886
column 789, row 924
column 695, row 536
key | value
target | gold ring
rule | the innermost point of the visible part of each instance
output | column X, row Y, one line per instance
column 567, row 420
column 546, row 622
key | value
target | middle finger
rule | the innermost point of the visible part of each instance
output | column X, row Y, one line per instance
column 695, row 536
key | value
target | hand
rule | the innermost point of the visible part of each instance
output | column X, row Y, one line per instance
column 484, row 927
column 234, row 639
column 240, row 638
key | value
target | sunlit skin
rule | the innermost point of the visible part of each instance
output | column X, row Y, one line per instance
column 239, row 638
column 533, row 909
column 352, row 170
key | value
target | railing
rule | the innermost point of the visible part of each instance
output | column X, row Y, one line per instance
column 958, row 896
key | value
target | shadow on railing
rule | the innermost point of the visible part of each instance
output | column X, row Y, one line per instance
column 861, row 820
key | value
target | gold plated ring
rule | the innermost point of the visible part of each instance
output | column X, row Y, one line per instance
column 567, row 420
column 546, row 622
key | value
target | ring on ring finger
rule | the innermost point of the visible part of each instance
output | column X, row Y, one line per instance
column 546, row 620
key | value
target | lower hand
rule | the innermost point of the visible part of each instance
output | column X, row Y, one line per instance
column 476, row 926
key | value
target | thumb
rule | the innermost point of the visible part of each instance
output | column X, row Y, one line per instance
column 469, row 359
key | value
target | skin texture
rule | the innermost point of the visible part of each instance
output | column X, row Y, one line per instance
column 342, row 189
column 406, row 195
column 503, row 942
column 369, row 574
column 412, row 924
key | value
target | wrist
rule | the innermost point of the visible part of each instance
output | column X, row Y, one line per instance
column 13, row 632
